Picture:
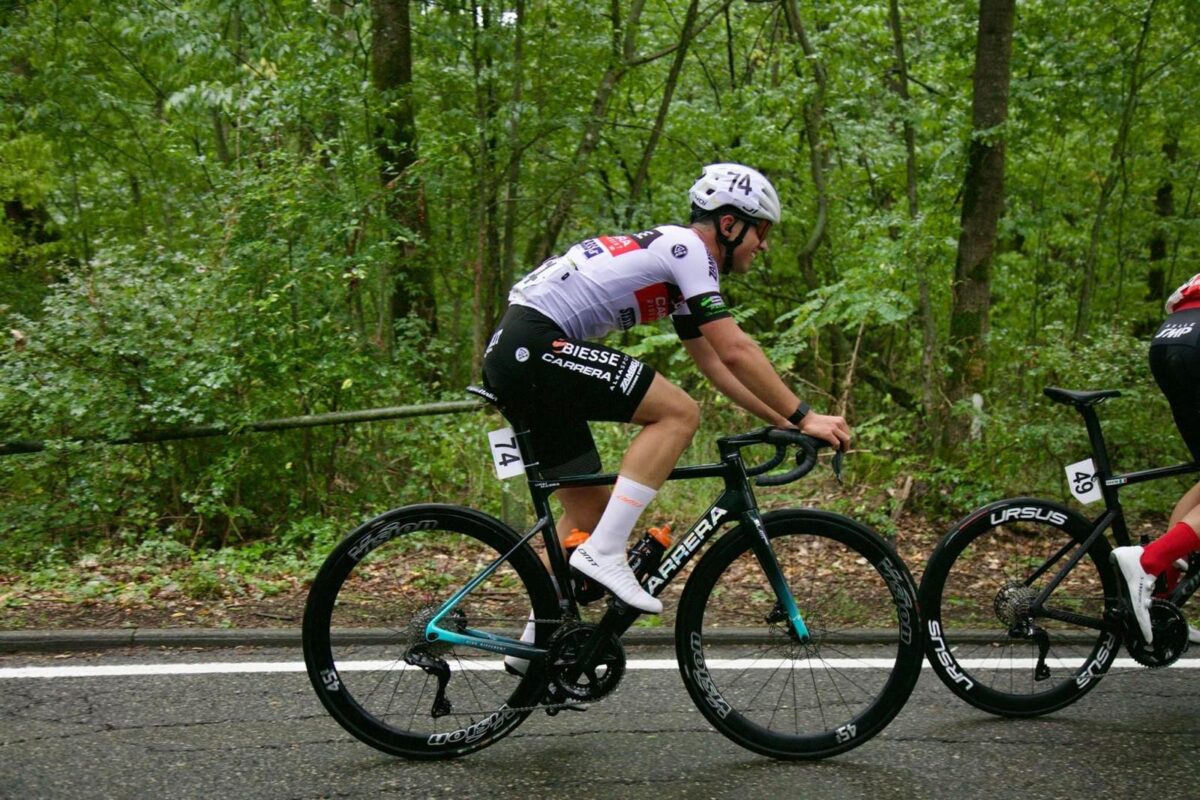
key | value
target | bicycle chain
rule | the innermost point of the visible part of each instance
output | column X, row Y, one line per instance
column 548, row 707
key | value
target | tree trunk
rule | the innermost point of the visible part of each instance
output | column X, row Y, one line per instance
column 1164, row 207
column 983, row 204
column 623, row 59
column 487, row 284
column 512, row 175
column 818, row 154
column 406, row 284
column 619, row 64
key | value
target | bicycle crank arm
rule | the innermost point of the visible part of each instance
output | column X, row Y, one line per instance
column 615, row 622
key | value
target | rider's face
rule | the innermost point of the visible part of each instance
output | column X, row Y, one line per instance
column 754, row 241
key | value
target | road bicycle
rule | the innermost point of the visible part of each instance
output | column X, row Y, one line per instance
column 797, row 632
column 1024, row 613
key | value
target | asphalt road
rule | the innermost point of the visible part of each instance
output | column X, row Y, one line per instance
column 264, row 735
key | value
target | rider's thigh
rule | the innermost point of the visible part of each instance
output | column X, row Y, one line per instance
column 666, row 402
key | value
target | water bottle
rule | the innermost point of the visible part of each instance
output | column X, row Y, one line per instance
column 647, row 554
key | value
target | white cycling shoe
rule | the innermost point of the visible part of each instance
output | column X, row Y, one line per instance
column 1139, row 583
column 613, row 573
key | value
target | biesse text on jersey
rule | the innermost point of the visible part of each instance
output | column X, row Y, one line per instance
column 615, row 282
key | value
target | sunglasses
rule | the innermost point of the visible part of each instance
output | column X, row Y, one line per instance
column 762, row 227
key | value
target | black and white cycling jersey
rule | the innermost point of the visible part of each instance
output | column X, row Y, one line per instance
column 610, row 283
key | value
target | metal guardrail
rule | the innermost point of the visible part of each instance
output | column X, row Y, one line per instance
column 286, row 423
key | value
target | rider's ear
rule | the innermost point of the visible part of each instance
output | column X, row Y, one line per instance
column 727, row 222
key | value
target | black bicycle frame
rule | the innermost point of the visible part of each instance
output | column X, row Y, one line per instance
column 736, row 503
column 1113, row 517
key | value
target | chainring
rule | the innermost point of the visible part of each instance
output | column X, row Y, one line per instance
column 1170, row 637
column 596, row 679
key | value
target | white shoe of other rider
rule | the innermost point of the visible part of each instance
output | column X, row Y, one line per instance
column 1139, row 583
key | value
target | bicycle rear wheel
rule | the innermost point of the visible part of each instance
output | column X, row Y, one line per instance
column 975, row 597
column 767, row 691
column 364, row 631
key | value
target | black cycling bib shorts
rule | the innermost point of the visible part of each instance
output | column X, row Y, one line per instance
column 555, row 383
column 1175, row 364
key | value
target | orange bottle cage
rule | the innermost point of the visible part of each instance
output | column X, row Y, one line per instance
column 663, row 535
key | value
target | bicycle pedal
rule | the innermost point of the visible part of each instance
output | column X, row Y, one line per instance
column 553, row 712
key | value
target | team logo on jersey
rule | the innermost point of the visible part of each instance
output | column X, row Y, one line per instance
column 1174, row 331
column 495, row 341
column 657, row 301
column 522, row 354
column 712, row 268
column 630, row 376
column 617, row 245
column 712, row 303
column 591, row 248
column 679, row 250
column 646, row 237
column 593, row 354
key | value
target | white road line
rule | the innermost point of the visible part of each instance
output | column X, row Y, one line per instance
column 261, row 667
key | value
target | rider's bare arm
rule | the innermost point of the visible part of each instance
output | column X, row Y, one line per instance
column 745, row 361
column 710, row 364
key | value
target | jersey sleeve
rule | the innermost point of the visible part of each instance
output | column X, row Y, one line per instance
column 696, row 274
column 1188, row 292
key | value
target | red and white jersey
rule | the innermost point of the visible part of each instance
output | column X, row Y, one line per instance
column 1186, row 296
column 615, row 282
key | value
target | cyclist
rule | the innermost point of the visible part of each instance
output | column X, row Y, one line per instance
column 542, row 366
column 1175, row 363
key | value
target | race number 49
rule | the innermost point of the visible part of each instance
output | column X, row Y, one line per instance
column 1081, row 476
column 505, row 453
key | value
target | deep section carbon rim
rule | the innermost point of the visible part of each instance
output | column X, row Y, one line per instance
column 984, row 642
column 364, row 631
column 773, row 694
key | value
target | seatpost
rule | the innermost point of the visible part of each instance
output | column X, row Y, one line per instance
column 1099, row 455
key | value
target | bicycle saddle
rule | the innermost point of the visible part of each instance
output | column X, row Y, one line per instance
column 494, row 401
column 1079, row 399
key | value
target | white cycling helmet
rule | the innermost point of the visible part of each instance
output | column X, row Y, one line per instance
column 739, row 186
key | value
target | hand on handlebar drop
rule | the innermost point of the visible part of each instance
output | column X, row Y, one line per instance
column 829, row 428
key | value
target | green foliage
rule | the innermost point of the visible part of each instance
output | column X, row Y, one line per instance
column 195, row 233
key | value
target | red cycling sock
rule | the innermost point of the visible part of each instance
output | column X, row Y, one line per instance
column 1175, row 543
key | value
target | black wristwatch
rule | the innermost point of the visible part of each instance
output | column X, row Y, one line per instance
column 800, row 413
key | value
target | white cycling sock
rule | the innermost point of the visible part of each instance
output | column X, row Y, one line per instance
column 602, row 556
column 629, row 499
column 529, row 635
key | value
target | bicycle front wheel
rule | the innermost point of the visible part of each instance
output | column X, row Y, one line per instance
column 986, row 641
column 364, row 631
column 756, row 682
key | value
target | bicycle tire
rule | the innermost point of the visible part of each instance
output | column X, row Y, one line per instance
column 979, row 578
column 368, row 606
column 857, row 599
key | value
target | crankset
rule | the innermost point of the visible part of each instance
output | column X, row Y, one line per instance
column 571, row 680
column 1170, row 637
